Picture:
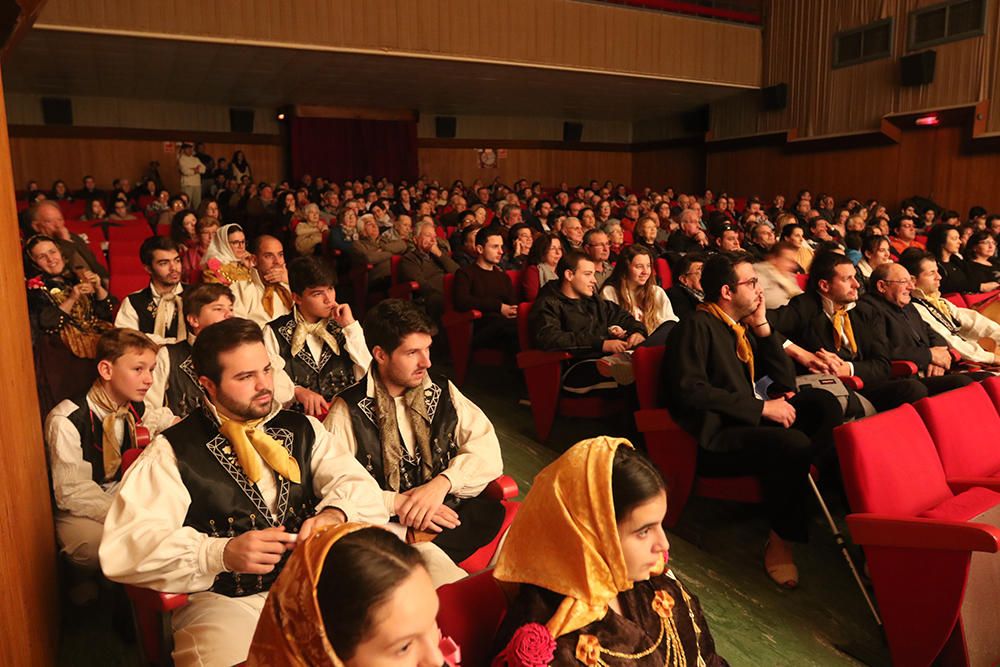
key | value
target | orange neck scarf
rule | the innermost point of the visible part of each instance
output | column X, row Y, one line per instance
column 744, row 351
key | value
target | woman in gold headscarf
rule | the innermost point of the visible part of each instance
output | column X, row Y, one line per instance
column 350, row 596
column 589, row 553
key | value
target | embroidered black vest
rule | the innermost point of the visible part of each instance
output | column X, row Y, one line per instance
column 183, row 394
column 328, row 376
column 364, row 422
column 91, row 430
column 224, row 503
column 145, row 308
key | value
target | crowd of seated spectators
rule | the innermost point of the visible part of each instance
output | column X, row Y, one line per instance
column 751, row 298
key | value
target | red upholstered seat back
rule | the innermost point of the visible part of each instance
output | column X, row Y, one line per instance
column 646, row 364
column 965, row 428
column 523, row 310
column 448, row 287
column 471, row 612
column 889, row 464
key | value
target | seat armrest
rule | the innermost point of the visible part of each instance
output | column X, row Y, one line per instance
column 655, row 419
column 854, row 382
column 502, row 488
column 903, row 369
column 531, row 358
column 883, row 530
column 453, row 317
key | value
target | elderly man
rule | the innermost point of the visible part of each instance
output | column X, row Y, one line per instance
column 910, row 338
column 762, row 239
column 266, row 295
column 690, row 237
column 426, row 264
column 399, row 238
column 47, row 218
column 598, row 249
column 572, row 233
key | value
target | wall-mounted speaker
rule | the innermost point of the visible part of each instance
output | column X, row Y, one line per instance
column 57, row 111
column 445, row 126
column 917, row 69
column 241, row 120
column 697, row 121
column 775, row 97
column 572, row 132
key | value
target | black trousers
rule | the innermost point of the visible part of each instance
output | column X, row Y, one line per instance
column 494, row 331
column 780, row 457
column 894, row 393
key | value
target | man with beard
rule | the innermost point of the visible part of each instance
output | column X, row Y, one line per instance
column 156, row 309
column 216, row 503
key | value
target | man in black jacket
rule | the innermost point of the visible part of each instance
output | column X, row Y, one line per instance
column 568, row 316
column 828, row 321
column 717, row 364
column 910, row 338
column 685, row 294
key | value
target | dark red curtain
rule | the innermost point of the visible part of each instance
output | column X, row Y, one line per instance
column 343, row 148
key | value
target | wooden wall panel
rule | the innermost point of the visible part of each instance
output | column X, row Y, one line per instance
column 934, row 163
column 48, row 159
column 561, row 33
column 545, row 165
column 681, row 168
column 29, row 618
column 822, row 101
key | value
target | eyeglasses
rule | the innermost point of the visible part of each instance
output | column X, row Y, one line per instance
column 752, row 282
column 898, row 282
column 238, row 244
column 600, row 245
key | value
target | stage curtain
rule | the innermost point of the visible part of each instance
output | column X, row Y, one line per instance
column 343, row 148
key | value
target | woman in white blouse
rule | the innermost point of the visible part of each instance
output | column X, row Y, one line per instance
column 633, row 287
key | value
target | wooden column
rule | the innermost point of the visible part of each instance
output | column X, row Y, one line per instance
column 29, row 618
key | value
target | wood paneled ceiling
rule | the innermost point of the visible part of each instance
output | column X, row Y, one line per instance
column 55, row 62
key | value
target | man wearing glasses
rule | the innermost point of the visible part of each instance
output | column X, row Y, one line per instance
column 910, row 338
column 728, row 382
column 598, row 249
column 904, row 235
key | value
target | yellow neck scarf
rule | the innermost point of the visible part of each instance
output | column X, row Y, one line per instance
column 245, row 437
column 111, row 447
column 935, row 300
column 842, row 329
column 744, row 351
column 279, row 290
column 304, row 329
column 168, row 306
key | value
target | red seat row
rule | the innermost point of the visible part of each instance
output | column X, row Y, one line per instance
column 923, row 482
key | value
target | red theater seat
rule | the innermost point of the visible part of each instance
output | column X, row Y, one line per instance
column 397, row 289
column 504, row 489
column 965, row 428
column 470, row 613
column 663, row 273
column 916, row 534
column 543, row 376
column 460, row 325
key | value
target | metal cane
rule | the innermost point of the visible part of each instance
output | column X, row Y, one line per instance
column 839, row 538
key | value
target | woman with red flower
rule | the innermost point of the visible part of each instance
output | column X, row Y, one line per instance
column 589, row 553
column 68, row 312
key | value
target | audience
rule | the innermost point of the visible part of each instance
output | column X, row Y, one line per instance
column 728, row 383
column 778, row 275
column 486, row 287
column 543, row 260
column 47, row 220
column 568, row 316
column 156, row 309
column 215, row 498
column 368, row 601
column 685, row 294
column 589, row 557
column 633, row 287
column 431, row 450
column 426, row 264
column 319, row 344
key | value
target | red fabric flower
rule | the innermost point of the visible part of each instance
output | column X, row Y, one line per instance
column 213, row 264
column 36, row 283
column 531, row 646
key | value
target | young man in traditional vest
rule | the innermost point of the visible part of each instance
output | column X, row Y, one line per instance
column 215, row 504
column 86, row 436
column 431, row 449
column 155, row 310
column 175, row 382
column 320, row 344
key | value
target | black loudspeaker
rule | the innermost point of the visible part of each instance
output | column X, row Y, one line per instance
column 57, row 111
column 917, row 69
column 696, row 122
column 572, row 132
column 241, row 120
column 775, row 97
column 444, row 127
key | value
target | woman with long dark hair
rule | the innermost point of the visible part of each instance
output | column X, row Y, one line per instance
column 980, row 267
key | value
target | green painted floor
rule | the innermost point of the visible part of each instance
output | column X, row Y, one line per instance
column 716, row 550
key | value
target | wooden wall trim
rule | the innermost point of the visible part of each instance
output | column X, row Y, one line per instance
column 139, row 134
column 554, row 145
column 312, row 111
